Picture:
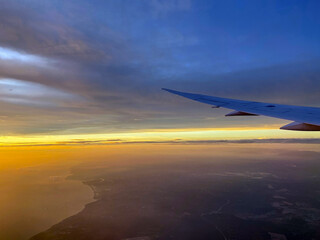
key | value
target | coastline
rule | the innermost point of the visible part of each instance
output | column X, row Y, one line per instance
column 37, row 197
column 80, row 206
column 94, row 198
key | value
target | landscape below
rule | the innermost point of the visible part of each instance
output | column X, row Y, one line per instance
column 195, row 191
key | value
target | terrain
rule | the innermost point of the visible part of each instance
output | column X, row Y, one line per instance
column 251, row 197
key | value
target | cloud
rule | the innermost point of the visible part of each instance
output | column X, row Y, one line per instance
column 9, row 54
column 28, row 93
column 43, row 33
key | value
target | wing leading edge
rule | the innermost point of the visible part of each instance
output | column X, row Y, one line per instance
column 304, row 118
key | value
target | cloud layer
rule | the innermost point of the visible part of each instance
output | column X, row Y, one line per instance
column 98, row 66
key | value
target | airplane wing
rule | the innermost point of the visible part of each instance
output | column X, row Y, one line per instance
column 304, row 118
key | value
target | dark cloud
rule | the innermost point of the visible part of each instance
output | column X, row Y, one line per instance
column 40, row 28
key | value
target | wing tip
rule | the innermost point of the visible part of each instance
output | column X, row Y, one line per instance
column 166, row 89
column 170, row 90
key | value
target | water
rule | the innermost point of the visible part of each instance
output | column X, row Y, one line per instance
column 36, row 197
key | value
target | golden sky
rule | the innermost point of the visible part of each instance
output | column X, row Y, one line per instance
column 160, row 135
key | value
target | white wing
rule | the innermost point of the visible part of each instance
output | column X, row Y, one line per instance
column 305, row 118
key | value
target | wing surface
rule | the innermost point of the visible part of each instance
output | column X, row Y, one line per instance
column 305, row 118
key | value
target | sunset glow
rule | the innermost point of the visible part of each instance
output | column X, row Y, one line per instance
column 163, row 135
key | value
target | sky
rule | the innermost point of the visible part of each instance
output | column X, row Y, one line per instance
column 94, row 69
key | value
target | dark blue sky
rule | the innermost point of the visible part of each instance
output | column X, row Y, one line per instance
column 214, row 36
column 103, row 62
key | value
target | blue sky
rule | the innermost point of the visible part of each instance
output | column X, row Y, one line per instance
column 109, row 59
